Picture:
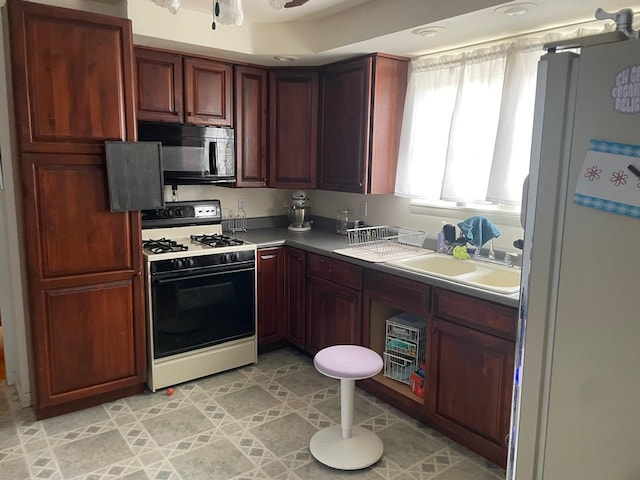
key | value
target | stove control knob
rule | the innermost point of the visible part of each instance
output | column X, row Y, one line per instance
column 234, row 257
column 178, row 264
column 190, row 262
column 178, row 212
column 168, row 213
column 224, row 259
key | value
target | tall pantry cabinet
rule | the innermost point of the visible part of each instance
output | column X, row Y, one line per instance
column 73, row 89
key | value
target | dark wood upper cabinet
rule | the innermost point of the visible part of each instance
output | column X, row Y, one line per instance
column 293, row 128
column 159, row 86
column 207, row 91
column 73, row 83
column 72, row 79
column 251, row 126
column 178, row 89
column 361, row 108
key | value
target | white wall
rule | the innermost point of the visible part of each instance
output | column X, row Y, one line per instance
column 12, row 284
column 396, row 211
column 380, row 209
column 259, row 202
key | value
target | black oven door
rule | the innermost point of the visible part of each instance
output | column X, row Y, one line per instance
column 193, row 311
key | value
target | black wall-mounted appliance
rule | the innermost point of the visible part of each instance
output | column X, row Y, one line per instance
column 192, row 154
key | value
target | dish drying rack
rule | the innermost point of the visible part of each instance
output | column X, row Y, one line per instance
column 384, row 243
column 237, row 222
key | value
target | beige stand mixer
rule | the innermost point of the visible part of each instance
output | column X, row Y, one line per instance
column 299, row 212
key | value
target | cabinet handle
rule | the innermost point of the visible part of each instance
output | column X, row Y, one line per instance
column 506, row 439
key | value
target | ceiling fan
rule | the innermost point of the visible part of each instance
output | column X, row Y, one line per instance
column 278, row 4
column 229, row 11
column 295, row 3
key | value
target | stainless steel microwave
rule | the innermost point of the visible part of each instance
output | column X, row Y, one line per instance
column 192, row 154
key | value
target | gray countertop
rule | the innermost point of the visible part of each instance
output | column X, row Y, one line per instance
column 325, row 242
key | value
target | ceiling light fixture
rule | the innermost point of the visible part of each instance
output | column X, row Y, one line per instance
column 286, row 58
column 428, row 31
column 515, row 9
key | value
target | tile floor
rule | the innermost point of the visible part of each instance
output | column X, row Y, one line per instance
column 250, row 423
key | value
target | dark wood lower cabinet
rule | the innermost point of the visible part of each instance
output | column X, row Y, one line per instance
column 86, row 304
column 295, row 291
column 470, row 350
column 470, row 386
column 92, row 336
column 333, row 315
column 334, row 303
column 271, row 322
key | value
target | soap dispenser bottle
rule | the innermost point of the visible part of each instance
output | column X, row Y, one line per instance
column 442, row 248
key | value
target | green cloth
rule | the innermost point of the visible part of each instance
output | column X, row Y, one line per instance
column 461, row 253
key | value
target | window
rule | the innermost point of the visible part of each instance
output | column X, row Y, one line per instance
column 466, row 133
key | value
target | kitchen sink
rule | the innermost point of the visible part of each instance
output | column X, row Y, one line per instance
column 437, row 265
column 501, row 277
column 497, row 278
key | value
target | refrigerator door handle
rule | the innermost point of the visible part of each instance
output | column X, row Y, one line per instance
column 523, row 204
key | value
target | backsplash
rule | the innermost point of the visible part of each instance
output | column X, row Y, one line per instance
column 380, row 209
column 258, row 202
column 396, row 211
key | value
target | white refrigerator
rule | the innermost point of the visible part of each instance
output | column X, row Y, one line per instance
column 576, row 410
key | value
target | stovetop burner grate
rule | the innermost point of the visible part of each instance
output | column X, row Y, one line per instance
column 163, row 245
column 214, row 241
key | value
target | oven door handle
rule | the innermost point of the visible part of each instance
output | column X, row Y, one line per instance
column 165, row 278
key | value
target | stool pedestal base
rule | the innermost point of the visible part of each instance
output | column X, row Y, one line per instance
column 363, row 449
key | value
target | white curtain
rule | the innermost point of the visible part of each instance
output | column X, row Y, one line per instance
column 468, row 120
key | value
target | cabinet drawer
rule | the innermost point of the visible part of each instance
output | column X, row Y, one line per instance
column 406, row 293
column 335, row 271
column 489, row 317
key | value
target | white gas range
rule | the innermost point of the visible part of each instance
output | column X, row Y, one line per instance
column 201, row 294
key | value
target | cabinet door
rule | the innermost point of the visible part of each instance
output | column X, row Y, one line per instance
column 270, row 295
column 251, row 126
column 86, row 303
column 159, row 86
column 295, row 296
column 469, row 390
column 293, row 128
column 334, row 315
column 207, row 90
column 85, row 286
column 72, row 78
column 344, row 126
column 389, row 92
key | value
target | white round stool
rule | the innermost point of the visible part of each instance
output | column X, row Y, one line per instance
column 344, row 446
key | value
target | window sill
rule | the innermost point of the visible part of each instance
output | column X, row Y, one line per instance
column 501, row 214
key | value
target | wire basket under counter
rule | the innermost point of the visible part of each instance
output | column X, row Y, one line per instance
column 386, row 241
